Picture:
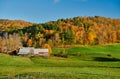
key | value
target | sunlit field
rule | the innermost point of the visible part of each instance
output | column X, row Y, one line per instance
column 82, row 62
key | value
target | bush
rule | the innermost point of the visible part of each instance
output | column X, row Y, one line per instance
column 61, row 54
column 109, row 55
column 76, row 54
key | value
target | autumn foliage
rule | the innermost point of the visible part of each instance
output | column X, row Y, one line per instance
column 71, row 31
column 47, row 46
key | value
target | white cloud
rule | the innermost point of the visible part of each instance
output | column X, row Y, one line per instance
column 56, row 1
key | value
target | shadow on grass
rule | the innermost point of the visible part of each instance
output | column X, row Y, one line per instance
column 104, row 59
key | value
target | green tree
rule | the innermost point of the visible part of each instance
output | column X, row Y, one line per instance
column 86, row 32
column 68, row 36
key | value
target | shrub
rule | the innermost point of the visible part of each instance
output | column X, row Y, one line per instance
column 61, row 54
column 109, row 55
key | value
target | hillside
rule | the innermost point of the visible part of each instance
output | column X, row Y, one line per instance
column 6, row 24
column 68, row 32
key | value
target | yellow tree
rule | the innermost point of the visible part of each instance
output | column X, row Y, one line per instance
column 29, row 42
column 2, row 44
column 91, row 37
column 118, row 36
column 48, row 47
column 113, row 37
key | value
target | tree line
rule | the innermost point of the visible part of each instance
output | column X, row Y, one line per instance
column 95, row 30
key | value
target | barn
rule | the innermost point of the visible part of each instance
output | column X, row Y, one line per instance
column 26, row 51
column 33, row 51
column 41, row 52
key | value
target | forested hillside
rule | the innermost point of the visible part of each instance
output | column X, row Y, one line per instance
column 8, row 25
column 63, row 32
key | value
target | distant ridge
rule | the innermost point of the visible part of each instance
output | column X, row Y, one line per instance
column 7, row 24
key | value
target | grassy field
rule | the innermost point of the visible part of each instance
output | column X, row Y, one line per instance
column 83, row 62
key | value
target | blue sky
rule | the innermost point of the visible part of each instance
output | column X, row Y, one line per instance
column 40, row 11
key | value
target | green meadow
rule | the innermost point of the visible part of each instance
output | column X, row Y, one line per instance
column 80, row 62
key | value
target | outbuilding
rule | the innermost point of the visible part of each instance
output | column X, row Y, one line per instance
column 41, row 52
column 33, row 51
column 26, row 51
